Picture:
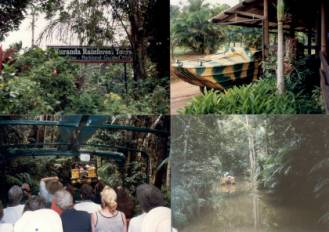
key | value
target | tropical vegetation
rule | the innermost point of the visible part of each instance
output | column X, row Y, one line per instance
column 287, row 84
column 281, row 159
column 144, row 163
column 56, row 85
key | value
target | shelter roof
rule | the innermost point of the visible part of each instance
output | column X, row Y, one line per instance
column 300, row 14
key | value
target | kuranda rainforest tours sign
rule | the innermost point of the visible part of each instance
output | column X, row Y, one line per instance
column 95, row 55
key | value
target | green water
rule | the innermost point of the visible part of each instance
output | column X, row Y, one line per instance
column 244, row 209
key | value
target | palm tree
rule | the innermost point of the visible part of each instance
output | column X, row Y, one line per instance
column 280, row 77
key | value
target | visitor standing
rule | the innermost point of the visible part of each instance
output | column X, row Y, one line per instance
column 73, row 220
column 37, row 218
column 148, row 197
column 48, row 187
column 4, row 226
column 87, row 197
column 109, row 218
column 15, row 209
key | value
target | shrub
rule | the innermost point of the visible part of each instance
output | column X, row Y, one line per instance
column 256, row 98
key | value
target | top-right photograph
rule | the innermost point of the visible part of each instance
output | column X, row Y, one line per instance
column 249, row 57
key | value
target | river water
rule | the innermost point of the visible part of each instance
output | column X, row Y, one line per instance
column 242, row 208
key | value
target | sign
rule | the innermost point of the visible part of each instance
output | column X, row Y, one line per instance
column 86, row 54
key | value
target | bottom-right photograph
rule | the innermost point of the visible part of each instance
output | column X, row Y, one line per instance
column 250, row 173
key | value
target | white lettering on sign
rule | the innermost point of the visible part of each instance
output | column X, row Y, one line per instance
column 92, row 54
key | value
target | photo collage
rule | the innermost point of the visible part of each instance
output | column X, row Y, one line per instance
column 164, row 116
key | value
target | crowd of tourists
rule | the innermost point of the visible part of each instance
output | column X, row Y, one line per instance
column 100, row 208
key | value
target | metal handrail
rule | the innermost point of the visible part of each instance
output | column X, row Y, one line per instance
column 76, row 125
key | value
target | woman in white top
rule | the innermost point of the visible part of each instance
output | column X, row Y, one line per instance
column 109, row 219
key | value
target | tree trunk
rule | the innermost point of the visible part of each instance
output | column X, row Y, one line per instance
column 252, row 152
column 138, row 43
column 33, row 27
column 280, row 77
column 139, row 59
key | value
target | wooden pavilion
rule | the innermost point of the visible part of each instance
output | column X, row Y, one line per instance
column 305, row 16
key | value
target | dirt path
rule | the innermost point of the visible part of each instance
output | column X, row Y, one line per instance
column 181, row 92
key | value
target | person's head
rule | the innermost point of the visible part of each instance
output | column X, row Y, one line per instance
column 149, row 197
column 35, row 203
column 26, row 188
column 69, row 187
column 99, row 187
column 86, row 192
column 15, row 195
column 53, row 186
column 63, row 199
column 109, row 198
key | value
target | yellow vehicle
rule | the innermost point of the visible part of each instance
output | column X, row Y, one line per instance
column 83, row 173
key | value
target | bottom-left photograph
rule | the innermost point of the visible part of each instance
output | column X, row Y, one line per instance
column 85, row 173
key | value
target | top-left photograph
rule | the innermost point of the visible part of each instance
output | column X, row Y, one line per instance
column 84, row 56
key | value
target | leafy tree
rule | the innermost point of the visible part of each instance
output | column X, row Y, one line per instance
column 85, row 21
column 193, row 29
column 11, row 14
column 140, row 23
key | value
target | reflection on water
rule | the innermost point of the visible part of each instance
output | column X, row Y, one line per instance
column 244, row 209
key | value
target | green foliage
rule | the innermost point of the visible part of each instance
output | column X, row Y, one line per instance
column 20, row 97
column 110, row 174
column 184, row 202
column 137, row 175
column 190, row 28
column 88, row 102
column 87, row 20
column 42, row 82
column 297, row 162
column 12, row 13
column 193, row 29
column 248, row 37
column 256, row 98
column 291, row 166
column 200, row 154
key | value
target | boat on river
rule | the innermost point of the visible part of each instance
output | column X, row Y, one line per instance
column 234, row 66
